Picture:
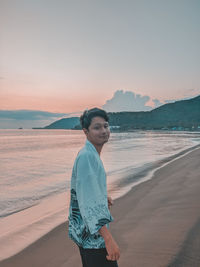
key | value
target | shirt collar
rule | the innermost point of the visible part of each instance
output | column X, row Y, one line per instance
column 91, row 146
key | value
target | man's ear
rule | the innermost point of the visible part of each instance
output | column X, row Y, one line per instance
column 85, row 131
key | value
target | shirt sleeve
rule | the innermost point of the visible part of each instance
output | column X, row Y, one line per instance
column 92, row 200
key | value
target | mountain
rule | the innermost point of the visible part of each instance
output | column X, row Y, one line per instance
column 184, row 114
column 66, row 123
column 27, row 119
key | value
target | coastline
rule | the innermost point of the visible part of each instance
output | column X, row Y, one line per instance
column 162, row 221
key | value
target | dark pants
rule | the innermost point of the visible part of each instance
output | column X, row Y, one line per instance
column 95, row 258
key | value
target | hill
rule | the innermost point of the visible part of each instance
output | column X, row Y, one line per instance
column 66, row 123
column 180, row 115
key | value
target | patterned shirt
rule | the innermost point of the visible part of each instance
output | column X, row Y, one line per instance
column 88, row 210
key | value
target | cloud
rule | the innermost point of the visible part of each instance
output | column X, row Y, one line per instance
column 28, row 114
column 28, row 119
column 74, row 114
column 157, row 103
column 127, row 101
column 192, row 92
column 172, row 100
column 178, row 99
column 12, row 119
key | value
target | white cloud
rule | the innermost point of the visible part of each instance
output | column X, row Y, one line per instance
column 127, row 101
column 157, row 103
column 187, row 94
column 178, row 99
column 73, row 114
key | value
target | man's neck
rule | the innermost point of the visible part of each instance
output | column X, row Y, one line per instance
column 98, row 147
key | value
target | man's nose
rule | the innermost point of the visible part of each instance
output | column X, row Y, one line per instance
column 103, row 130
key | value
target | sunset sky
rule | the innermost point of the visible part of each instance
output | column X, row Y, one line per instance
column 67, row 55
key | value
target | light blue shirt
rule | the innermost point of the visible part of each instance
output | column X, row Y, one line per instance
column 88, row 210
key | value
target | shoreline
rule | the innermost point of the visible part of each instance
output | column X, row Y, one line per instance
column 12, row 244
column 153, row 203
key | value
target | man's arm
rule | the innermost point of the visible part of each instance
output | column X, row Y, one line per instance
column 91, row 200
column 111, row 246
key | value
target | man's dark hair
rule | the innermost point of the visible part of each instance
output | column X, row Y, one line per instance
column 88, row 115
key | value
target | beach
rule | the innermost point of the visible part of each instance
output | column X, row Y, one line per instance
column 156, row 224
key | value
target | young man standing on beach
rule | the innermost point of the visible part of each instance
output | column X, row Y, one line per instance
column 89, row 214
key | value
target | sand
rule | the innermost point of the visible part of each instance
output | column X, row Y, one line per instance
column 157, row 224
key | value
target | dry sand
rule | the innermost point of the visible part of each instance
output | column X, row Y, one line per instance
column 157, row 224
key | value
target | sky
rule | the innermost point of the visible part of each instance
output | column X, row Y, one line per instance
column 62, row 56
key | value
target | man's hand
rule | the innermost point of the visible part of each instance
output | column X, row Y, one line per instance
column 112, row 249
column 110, row 202
column 111, row 246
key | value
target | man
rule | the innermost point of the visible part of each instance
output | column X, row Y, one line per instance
column 89, row 214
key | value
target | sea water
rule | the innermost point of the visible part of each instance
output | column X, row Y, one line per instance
column 35, row 173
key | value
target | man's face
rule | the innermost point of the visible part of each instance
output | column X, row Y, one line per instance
column 98, row 132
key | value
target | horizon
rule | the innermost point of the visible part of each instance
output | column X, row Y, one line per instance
column 64, row 57
column 44, row 118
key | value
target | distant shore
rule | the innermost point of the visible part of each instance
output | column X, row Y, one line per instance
column 124, row 129
column 157, row 224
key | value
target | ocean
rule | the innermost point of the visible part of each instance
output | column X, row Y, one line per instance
column 36, row 170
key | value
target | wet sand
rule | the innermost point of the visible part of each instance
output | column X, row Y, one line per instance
column 157, row 224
